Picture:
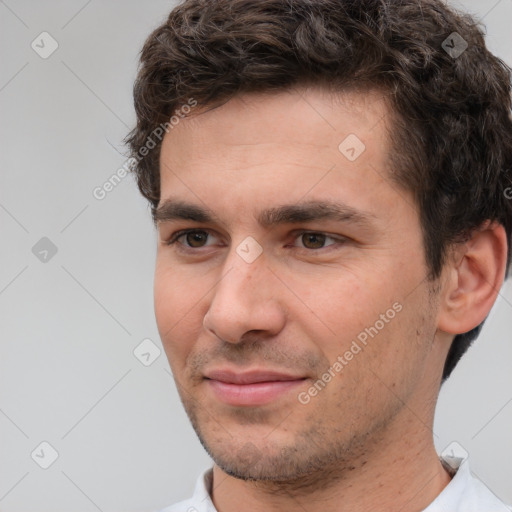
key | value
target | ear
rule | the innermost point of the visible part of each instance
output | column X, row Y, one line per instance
column 473, row 278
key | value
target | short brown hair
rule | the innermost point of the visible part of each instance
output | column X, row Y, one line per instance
column 452, row 134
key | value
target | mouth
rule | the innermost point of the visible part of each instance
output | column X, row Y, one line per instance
column 251, row 388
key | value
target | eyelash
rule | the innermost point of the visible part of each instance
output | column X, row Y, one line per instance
column 176, row 236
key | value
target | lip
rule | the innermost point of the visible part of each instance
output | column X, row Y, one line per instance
column 250, row 377
column 251, row 388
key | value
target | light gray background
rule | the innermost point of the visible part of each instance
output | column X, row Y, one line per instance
column 69, row 326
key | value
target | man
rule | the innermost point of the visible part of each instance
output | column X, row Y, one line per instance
column 330, row 181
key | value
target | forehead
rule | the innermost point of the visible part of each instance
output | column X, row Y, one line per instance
column 300, row 142
column 298, row 115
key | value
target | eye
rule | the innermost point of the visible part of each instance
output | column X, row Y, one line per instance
column 192, row 238
column 314, row 240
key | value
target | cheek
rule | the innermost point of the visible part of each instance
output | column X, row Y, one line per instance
column 399, row 352
column 341, row 304
column 176, row 302
column 366, row 319
column 176, row 292
column 165, row 291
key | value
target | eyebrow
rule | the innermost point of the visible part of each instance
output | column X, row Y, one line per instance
column 309, row 211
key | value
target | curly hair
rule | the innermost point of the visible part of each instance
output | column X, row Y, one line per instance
column 449, row 96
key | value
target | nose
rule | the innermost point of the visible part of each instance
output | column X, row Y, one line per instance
column 246, row 298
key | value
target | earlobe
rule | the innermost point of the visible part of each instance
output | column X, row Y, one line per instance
column 473, row 279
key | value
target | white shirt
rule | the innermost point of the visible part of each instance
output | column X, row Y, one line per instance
column 464, row 493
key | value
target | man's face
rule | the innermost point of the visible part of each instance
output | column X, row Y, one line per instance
column 251, row 324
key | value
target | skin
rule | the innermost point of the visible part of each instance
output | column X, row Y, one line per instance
column 364, row 440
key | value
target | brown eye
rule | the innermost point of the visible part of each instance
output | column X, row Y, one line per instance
column 196, row 238
column 313, row 240
column 189, row 239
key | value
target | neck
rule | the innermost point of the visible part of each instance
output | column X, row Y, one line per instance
column 400, row 472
